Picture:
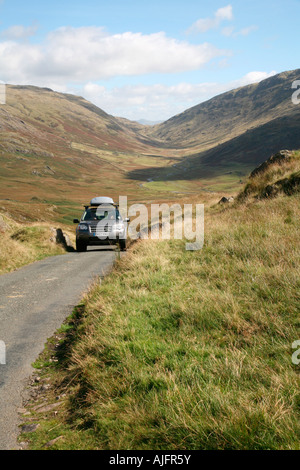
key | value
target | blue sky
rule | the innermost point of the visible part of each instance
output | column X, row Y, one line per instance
column 147, row 60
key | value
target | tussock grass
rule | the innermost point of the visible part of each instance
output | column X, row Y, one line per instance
column 190, row 350
column 22, row 244
column 282, row 177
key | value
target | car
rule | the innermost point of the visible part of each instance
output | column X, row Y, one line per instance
column 101, row 224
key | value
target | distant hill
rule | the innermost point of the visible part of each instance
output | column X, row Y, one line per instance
column 145, row 122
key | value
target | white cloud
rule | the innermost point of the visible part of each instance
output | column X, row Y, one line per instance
column 75, row 60
column 247, row 31
column 91, row 54
column 229, row 31
column 253, row 77
column 222, row 14
column 205, row 24
column 17, row 32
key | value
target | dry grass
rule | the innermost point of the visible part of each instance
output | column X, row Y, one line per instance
column 22, row 244
column 281, row 177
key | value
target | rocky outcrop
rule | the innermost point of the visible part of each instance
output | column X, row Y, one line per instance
column 226, row 200
column 288, row 186
column 280, row 157
column 62, row 238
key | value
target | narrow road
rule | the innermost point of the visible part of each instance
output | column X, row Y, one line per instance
column 34, row 302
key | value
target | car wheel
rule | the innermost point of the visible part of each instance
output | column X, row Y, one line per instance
column 80, row 246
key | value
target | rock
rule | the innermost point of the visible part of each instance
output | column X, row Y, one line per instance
column 48, row 169
column 279, row 157
column 68, row 242
column 60, row 237
column 23, row 445
column 53, row 441
column 35, row 172
column 21, row 410
column 271, row 190
column 226, row 200
column 289, row 186
column 29, row 427
column 46, row 408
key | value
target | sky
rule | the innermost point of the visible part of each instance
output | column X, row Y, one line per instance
column 146, row 59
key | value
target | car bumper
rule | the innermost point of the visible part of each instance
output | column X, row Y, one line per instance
column 90, row 239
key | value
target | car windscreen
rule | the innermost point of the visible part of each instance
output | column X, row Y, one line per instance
column 101, row 213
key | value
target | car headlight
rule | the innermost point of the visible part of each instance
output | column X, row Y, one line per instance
column 83, row 227
column 119, row 227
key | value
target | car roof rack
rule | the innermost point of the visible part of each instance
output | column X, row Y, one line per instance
column 99, row 201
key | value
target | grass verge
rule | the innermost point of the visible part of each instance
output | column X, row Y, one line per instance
column 22, row 244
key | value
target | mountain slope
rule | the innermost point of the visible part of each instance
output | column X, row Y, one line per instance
column 230, row 114
column 57, row 119
column 58, row 147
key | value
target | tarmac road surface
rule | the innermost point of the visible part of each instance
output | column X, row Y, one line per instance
column 34, row 302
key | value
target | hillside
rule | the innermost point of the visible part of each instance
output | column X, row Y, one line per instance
column 56, row 120
column 59, row 150
column 230, row 114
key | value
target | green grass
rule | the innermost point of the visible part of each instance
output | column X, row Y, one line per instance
column 188, row 350
column 170, row 186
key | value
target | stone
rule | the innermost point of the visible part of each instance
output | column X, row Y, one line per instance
column 46, row 408
column 279, row 157
column 53, row 441
column 62, row 238
column 226, row 200
column 29, row 427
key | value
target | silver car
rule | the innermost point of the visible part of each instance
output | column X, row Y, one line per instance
column 101, row 224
